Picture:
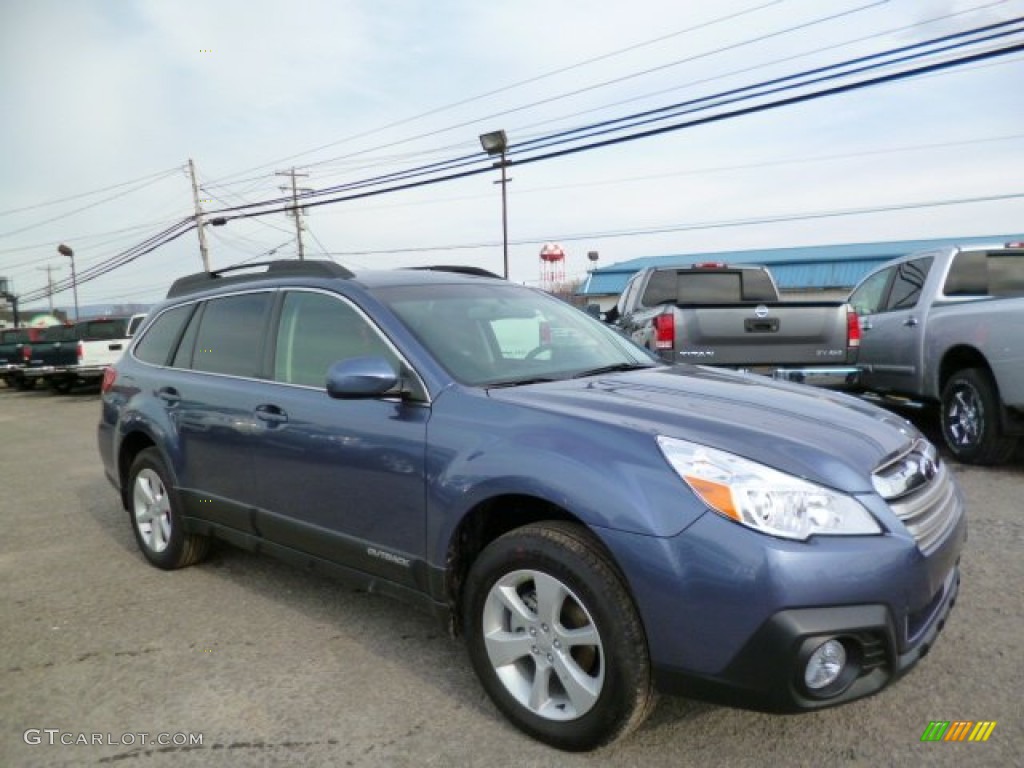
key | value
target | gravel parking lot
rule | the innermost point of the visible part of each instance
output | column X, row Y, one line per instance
column 267, row 665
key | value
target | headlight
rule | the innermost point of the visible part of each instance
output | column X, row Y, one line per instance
column 764, row 498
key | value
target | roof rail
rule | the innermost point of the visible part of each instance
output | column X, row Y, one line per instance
column 460, row 270
column 279, row 268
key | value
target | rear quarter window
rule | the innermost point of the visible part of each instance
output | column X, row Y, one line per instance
column 157, row 345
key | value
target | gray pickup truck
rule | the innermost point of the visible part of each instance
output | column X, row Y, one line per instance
column 732, row 316
column 947, row 326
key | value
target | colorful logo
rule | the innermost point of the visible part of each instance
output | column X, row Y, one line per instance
column 958, row 730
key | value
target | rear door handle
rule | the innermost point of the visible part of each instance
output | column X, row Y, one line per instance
column 910, row 321
column 271, row 414
column 169, row 395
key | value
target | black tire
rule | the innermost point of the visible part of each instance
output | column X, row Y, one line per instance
column 971, row 419
column 61, row 386
column 156, row 515
column 617, row 692
column 23, row 385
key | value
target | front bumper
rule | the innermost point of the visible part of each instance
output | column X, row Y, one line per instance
column 767, row 674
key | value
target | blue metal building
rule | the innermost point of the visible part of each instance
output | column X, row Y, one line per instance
column 815, row 268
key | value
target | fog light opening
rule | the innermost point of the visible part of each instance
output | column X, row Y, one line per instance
column 825, row 666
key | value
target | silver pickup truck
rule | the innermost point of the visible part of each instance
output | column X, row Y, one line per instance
column 947, row 326
column 731, row 316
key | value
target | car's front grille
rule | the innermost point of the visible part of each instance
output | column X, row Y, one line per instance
column 921, row 492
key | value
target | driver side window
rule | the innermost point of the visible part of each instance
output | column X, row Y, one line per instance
column 870, row 296
column 316, row 331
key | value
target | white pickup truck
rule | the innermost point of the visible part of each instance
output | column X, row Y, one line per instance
column 71, row 355
column 947, row 326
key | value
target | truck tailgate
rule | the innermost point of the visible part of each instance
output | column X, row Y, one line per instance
column 779, row 334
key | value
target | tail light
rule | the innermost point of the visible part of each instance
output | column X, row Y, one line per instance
column 852, row 329
column 26, row 353
column 109, row 377
column 81, row 352
column 664, row 331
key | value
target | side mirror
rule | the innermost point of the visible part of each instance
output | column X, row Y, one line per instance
column 360, row 377
column 594, row 310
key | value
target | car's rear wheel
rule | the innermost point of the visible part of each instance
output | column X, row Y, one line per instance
column 971, row 420
column 555, row 638
column 156, row 515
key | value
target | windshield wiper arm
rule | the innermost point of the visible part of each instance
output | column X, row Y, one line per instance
column 616, row 368
column 520, row 382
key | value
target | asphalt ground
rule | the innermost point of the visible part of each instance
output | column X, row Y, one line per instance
column 244, row 661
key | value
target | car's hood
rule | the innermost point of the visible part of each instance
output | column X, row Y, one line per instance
column 826, row 437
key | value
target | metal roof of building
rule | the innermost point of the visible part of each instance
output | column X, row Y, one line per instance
column 814, row 266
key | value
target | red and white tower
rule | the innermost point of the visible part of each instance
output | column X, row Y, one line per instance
column 552, row 267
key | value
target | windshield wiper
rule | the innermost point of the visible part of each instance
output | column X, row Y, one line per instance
column 616, row 368
column 520, row 382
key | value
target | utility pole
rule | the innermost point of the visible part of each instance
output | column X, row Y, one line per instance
column 49, row 283
column 296, row 211
column 204, row 251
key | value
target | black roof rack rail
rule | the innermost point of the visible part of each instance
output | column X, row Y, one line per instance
column 279, row 268
column 460, row 270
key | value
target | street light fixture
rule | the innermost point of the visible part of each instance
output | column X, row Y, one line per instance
column 64, row 250
column 496, row 143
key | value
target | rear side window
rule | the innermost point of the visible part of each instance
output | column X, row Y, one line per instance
column 978, row 273
column 102, row 330
column 908, row 282
column 156, row 346
column 230, row 335
column 59, row 333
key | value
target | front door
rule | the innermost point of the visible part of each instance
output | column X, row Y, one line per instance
column 343, row 480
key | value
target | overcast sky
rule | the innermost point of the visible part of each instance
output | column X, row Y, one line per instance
column 97, row 93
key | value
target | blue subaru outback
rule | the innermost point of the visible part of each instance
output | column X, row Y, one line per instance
column 598, row 526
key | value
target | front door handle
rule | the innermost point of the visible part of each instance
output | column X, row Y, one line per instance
column 169, row 395
column 271, row 414
column 910, row 321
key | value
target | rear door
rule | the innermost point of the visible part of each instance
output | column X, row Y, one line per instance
column 211, row 391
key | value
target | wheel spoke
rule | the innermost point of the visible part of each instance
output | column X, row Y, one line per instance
column 161, row 531
column 581, row 688
column 143, row 495
column 504, row 648
column 521, row 613
column 581, row 636
column 540, row 690
column 551, row 596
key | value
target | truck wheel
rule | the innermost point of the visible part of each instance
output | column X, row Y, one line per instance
column 22, row 384
column 155, row 513
column 60, row 386
column 970, row 419
column 555, row 638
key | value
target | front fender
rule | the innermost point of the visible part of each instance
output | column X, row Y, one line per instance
column 606, row 476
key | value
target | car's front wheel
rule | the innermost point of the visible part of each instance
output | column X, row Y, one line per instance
column 555, row 638
column 156, row 515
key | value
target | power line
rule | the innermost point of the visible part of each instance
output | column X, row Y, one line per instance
column 451, row 166
column 162, row 238
column 503, row 89
column 85, row 207
column 57, row 201
column 670, row 228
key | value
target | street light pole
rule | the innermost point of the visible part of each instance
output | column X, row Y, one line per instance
column 64, row 250
column 496, row 143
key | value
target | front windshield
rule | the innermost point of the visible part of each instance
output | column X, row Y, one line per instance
column 491, row 334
